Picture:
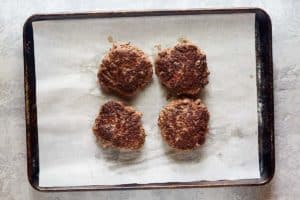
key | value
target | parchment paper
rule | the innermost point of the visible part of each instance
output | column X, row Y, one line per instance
column 67, row 55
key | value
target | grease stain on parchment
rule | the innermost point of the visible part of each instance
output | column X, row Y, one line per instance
column 182, row 39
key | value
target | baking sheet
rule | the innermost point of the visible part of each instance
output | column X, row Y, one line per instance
column 67, row 56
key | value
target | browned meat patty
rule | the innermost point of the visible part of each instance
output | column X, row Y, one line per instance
column 184, row 123
column 125, row 70
column 182, row 69
column 119, row 126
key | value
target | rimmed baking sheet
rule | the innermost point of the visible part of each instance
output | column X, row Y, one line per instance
column 67, row 54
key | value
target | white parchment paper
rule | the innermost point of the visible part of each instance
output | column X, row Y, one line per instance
column 67, row 56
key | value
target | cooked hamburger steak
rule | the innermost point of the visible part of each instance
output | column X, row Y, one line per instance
column 119, row 126
column 184, row 123
column 125, row 70
column 182, row 69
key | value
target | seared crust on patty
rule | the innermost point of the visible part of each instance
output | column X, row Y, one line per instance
column 184, row 123
column 182, row 69
column 119, row 126
column 125, row 70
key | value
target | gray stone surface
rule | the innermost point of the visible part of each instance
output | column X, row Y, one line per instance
column 286, row 48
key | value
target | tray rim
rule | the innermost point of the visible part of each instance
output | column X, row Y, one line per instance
column 265, row 91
